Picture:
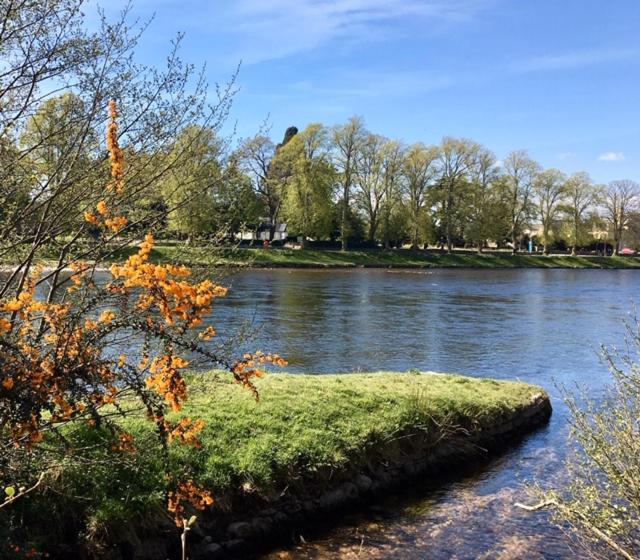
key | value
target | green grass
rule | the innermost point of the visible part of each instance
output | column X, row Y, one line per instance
column 314, row 258
column 306, row 431
column 305, row 424
column 168, row 251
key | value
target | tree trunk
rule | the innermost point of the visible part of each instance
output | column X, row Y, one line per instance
column 343, row 221
column 371, row 236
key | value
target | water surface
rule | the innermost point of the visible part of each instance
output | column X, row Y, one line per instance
column 540, row 326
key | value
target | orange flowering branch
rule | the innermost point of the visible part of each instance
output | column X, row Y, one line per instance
column 56, row 364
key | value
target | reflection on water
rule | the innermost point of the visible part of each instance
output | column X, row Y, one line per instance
column 541, row 326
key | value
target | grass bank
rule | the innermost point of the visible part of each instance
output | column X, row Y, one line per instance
column 306, row 423
column 314, row 258
column 312, row 443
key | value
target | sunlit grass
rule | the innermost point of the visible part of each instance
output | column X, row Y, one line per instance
column 397, row 258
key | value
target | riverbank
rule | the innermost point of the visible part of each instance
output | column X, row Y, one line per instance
column 316, row 258
column 216, row 257
column 312, row 445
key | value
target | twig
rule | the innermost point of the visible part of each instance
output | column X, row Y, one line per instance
column 23, row 493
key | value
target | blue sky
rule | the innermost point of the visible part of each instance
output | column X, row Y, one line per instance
column 560, row 78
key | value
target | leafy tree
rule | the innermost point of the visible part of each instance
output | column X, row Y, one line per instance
column 549, row 189
column 189, row 188
column 255, row 157
column 347, row 140
column 307, row 188
column 236, row 204
column 485, row 212
column 580, row 195
column 419, row 170
column 520, row 172
column 59, row 148
column 393, row 223
column 456, row 158
column 371, row 181
column 620, row 200
column 13, row 200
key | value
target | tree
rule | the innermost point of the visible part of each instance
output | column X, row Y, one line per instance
column 456, row 158
column 620, row 200
column 392, row 221
column 520, row 172
column 580, row 195
column 419, row 168
column 189, row 188
column 255, row 157
column 237, row 206
column 549, row 189
column 347, row 140
column 58, row 375
column 485, row 208
column 371, row 182
column 59, row 148
column 307, row 187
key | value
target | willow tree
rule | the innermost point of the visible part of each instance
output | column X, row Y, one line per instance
column 308, row 181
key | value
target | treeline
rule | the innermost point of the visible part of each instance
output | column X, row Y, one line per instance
column 346, row 183
column 341, row 184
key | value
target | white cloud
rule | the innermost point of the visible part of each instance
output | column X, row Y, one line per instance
column 611, row 156
column 274, row 29
column 577, row 59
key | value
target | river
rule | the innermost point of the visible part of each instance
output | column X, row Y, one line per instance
column 540, row 326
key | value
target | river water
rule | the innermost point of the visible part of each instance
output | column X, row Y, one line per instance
column 540, row 326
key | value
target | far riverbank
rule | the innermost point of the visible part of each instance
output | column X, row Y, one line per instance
column 319, row 258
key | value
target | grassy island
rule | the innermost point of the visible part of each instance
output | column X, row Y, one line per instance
column 323, row 440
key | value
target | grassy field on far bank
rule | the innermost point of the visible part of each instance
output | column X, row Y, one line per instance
column 305, row 430
column 316, row 258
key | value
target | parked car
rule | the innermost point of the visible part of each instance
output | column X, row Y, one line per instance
column 628, row 252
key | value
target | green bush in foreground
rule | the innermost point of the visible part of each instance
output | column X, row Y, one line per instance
column 602, row 500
